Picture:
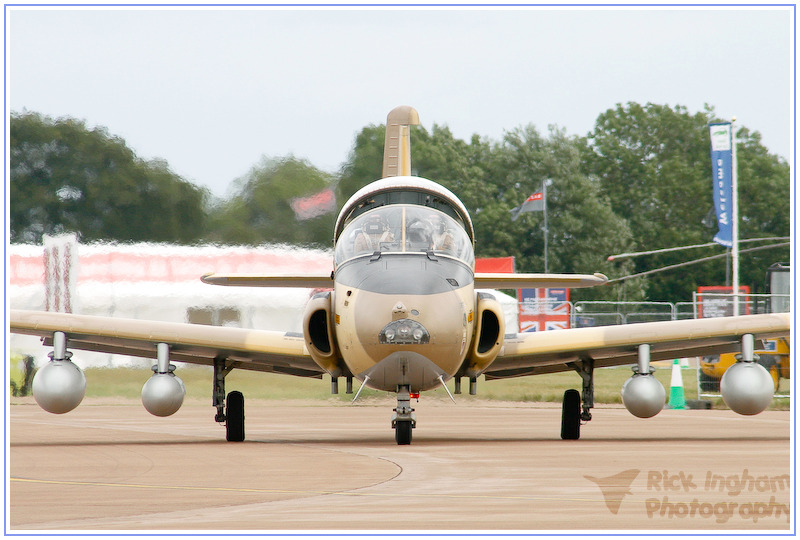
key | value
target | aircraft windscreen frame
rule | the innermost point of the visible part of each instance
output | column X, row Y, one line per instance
column 404, row 228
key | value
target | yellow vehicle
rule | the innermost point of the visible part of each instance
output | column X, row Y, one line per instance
column 775, row 356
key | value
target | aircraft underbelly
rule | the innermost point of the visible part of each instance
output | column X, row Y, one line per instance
column 401, row 338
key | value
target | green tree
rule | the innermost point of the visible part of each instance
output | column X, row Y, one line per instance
column 260, row 209
column 582, row 227
column 365, row 162
column 66, row 177
column 653, row 163
column 462, row 167
column 764, row 205
column 436, row 155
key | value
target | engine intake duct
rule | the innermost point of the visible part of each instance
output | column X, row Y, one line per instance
column 489, row 332
column 319, row 335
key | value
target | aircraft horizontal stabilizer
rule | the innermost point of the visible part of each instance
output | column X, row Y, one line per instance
column 516, row 281
column 311, row 281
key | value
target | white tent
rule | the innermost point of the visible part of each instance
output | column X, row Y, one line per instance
column 158, row 282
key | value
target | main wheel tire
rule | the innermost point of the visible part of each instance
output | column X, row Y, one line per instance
column 234, row 417
column 402, row 432
column 571, row 415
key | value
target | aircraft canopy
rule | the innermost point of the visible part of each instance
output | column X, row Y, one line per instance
column 403, row 228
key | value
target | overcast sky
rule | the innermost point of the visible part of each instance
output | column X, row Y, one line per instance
column 214, row 90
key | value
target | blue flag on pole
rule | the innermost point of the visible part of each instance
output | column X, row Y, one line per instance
column 722, row 167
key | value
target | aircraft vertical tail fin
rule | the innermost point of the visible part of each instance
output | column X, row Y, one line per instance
column 397, row 149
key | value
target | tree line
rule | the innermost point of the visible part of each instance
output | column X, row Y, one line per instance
column 640, row 180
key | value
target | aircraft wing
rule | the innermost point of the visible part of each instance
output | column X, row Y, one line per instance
column 256, row 350
column 552, row 351
column 517, row 281
column 312, row 281
column 482, row 280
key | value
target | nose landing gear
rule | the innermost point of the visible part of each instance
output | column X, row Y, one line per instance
column 403, row 419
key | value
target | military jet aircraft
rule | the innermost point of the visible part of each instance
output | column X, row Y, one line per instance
column 401, row 312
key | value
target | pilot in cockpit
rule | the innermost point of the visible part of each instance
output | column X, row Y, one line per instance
column 441, row 238
column 418, row 234
column 373, row 232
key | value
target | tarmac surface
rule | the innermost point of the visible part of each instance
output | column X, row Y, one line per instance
column 327, row 466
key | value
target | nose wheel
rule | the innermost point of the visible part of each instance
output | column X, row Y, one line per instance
column 402, row 432
column 403, row 420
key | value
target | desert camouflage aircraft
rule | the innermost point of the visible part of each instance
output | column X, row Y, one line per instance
column 400, row 312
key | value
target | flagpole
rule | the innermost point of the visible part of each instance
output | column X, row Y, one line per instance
column 544, row 196
column 735, row 247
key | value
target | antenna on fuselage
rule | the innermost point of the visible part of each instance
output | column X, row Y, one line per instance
column 444, row 385
column 397, row 148
column 363, row 384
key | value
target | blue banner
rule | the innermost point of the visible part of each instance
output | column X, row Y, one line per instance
column 722, row 166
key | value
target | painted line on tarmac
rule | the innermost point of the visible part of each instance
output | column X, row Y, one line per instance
column 294, row 491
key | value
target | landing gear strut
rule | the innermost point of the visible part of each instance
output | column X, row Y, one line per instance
column 233, row 414
column 575, row 407
column 403, row 419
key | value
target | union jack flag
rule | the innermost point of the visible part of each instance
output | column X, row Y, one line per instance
column 543, row 309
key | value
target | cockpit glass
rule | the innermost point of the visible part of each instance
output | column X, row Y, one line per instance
column 404, row 228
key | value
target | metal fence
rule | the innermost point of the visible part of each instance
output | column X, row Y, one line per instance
column 599, row 313
column 608, row 313
column 722, row 305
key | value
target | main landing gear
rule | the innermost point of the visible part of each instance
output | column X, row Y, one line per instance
column 575, row 407
column 230, row 410
column 403, row 419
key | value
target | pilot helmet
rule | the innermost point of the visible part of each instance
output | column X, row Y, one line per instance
column 374, row 224
column 419, row 230
column 439, row 225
